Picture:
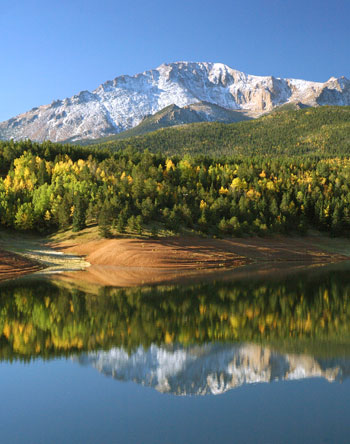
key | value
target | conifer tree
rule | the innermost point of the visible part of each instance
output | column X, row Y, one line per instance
column 79, row 213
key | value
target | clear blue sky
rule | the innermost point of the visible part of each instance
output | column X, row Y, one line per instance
column 52, row 49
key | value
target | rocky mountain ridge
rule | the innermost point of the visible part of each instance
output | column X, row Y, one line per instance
column 211, row 368
column 122, row 103
column 173, row 115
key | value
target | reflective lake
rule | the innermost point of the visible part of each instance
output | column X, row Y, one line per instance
column 249, row 360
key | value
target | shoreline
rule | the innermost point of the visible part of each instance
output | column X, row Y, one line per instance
column 134, row 261
column 25, row 254
column 13, row 265
column 185, row 252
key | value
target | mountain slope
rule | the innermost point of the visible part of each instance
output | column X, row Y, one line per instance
column 323, row 130
column 121, row 104
column 173, row 115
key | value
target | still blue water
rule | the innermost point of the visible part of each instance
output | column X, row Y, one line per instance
column 62, row 402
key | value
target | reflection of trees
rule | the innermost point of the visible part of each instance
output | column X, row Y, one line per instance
column 43, row 319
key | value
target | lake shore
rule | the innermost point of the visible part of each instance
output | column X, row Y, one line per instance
column 137, row 261
column 133, row 262
column 13, row 265
column 22, row 254
column 197, row 253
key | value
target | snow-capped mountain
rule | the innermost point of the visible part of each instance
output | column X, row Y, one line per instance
column 211, row 368
column 122, row 103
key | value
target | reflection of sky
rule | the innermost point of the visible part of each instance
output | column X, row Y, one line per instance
column 61, row 402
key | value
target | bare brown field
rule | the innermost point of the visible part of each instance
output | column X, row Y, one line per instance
column 129, row 262
column 195, row 252
column 136, row 261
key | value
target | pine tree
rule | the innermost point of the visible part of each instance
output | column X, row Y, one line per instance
column 43, row 177
column 104, row 221
column 120, row 226
column 63, row 214
column 79, row 213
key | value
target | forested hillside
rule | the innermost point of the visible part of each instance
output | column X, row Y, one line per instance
column 323, row 131
column 173, row 115
column 49, row 187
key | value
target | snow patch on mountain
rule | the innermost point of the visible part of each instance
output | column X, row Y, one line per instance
column 122, row 103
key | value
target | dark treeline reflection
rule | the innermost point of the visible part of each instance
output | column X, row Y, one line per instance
column 46, row 319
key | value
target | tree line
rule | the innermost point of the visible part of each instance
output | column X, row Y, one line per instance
column 48, row 187
column 323, row 131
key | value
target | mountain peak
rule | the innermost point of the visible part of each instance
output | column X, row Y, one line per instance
column 120, row 104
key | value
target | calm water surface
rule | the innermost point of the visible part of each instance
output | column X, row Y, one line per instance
column 255, row 360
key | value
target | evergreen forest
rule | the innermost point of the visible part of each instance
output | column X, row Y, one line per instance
column 324, row 131
column 291, row 173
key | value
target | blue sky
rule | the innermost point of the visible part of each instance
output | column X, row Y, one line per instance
column 54, row 49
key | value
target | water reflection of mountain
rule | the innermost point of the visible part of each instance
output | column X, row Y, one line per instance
column 211, row 368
